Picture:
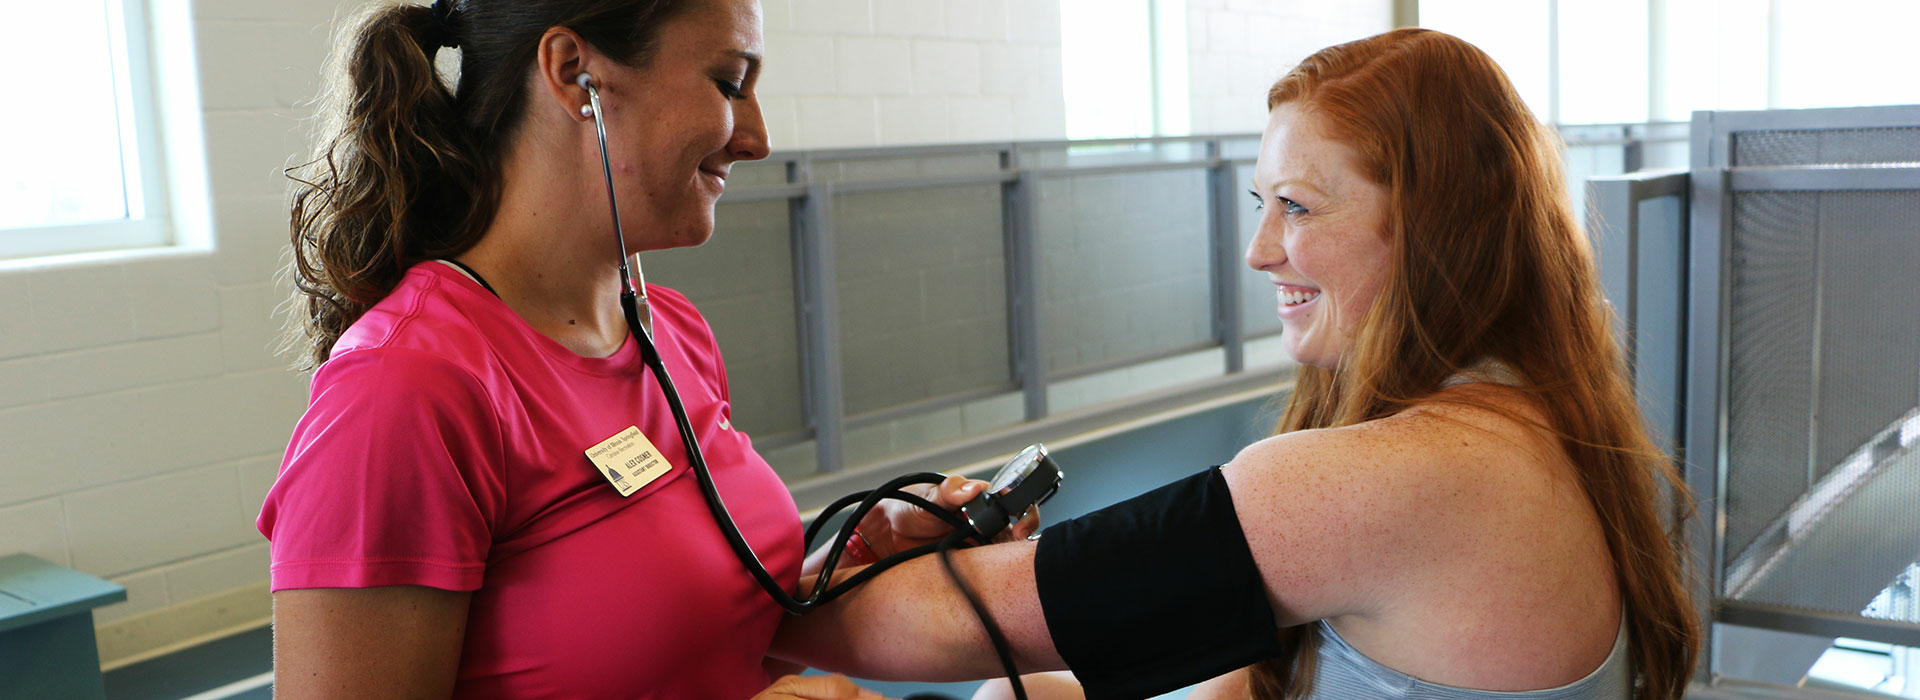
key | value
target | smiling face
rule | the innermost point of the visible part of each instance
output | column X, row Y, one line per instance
column 678, row 123
column 1322, row 236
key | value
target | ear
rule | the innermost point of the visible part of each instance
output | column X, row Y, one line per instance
column 562, row 57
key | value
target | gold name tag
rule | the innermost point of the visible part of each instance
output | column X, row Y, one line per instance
column 628, row 460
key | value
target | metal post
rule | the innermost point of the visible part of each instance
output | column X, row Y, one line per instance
column 1610, row 205
column 1225, row 238
column 1710, row 207
column 1023, row 290
column 1633, row 153
column 818, row 292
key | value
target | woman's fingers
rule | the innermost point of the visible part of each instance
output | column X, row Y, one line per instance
column 1025, row 526
column 916, row 523
column 955, row 491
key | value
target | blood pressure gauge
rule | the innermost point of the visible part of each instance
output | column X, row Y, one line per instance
column 1027, row 481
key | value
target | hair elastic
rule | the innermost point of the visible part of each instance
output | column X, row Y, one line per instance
column 443, row 18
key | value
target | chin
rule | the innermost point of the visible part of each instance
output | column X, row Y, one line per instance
column 694, row 233
column 1311, row 356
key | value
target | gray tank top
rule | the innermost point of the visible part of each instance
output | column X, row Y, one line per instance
column 1344, row 673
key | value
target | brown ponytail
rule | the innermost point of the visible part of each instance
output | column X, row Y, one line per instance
column 394, row 181
column 408, row 170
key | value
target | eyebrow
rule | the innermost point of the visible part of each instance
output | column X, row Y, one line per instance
column 1291, row 181
column 752, row 59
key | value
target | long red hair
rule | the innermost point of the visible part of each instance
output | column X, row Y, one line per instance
column 1488, row 263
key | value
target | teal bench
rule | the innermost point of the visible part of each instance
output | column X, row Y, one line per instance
column 46, row 630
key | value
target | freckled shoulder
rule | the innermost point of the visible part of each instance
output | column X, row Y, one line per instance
column 1340, row 519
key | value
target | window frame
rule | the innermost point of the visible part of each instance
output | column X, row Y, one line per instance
column 142, row 162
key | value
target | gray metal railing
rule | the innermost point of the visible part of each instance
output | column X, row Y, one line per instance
column 1767, row 296
column 1176, row 201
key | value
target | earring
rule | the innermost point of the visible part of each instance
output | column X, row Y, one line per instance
column 586, row 110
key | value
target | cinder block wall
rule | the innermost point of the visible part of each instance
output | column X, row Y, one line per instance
column 891, row 72
column 142, row 410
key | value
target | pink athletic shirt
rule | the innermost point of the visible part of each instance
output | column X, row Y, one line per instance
column 444, row 446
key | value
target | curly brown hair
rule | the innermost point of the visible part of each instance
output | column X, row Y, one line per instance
column 407, row 169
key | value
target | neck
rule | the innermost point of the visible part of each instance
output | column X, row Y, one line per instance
column 551, row 255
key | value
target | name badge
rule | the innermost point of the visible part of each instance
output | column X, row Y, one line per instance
column 628, row 460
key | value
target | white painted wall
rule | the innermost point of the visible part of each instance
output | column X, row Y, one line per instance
column 142, row 410
column 891, row 72
column 1237, row 48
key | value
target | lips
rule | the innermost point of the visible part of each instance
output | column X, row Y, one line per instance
column 719, row 176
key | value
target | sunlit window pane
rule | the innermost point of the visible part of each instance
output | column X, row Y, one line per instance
column 1107, row 56
column 1513, row 32
column 1846, row 52
column 1603, row 61
column 61, row 131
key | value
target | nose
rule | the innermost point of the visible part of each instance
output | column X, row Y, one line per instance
column 1267, row 250
column 749, row 140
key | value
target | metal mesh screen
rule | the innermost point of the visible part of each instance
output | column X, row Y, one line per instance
column 1827, row 147
column 1770, row 363
column 1123, row 267
column 742, row 281
column 923, row 294
column 1823, row 441
column 1870, row 318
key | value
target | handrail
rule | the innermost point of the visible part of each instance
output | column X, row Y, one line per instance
column 1017, row 169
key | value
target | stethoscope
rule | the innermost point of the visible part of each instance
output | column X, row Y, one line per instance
column 1030, row 479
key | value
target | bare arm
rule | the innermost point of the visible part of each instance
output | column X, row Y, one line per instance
column 1312, row 510
column 389, row 642
column 911, row 623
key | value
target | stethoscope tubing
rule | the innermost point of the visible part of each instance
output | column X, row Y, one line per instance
column 633, row 305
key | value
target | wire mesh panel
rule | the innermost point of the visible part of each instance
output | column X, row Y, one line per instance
column 1823, row 470
column 1843, row 542
column 1770, row 354
column 1827, row 147
column 923, row 294
column 1124, row 271
column 742, row 281
column 1870, row 318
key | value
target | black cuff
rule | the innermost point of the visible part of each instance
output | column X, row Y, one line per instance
column 1155, row 593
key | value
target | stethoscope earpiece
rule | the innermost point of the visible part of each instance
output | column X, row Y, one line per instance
column 591, row 110
column 585, row 81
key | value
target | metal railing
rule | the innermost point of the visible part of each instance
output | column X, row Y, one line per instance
column 823, row 190
column 1766, row 295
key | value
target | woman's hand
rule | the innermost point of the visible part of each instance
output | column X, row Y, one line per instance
column 816, row 688
column 897, row 525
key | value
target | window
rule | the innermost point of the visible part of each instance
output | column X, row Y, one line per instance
column 1107, row 52
column 1631, row 61
column 82, row 166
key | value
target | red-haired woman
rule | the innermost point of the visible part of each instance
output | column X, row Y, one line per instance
column 1460, row 500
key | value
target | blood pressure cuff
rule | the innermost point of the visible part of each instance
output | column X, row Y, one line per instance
column 1155, row 593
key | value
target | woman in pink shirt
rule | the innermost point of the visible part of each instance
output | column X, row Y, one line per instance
column 439, row 528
